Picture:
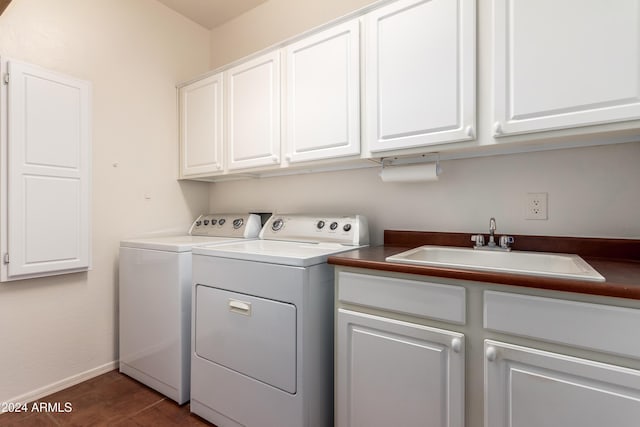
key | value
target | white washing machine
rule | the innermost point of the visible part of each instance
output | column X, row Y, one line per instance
column 155, row 300
column 262, row 335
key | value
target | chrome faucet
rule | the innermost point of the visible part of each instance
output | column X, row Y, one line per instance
column 492, row 231
column 505, row 241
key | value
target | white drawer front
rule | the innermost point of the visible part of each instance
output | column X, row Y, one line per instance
column 413, row 297
column 599, row 327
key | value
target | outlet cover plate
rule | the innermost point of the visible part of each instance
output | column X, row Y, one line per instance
column 536, row 206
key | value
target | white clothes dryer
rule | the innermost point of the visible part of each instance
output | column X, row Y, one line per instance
column 262, row 329
column 155, row 300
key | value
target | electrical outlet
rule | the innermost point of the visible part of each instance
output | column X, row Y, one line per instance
column 536, row 206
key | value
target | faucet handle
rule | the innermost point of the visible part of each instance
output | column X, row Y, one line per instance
column 505, row 241
column 479, row 239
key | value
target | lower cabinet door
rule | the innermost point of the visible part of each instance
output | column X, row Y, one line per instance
column 394, row 373
column 525, row 387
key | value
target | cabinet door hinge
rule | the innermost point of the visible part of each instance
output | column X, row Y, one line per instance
column 6, row 78
column 6, row 258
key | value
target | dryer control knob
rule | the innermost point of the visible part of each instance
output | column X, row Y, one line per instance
column 221, row 221
column 214, row 221
column 347, row 227
column 320, row 225
column 237, row 223
column 333, row 225
column 206, row 222
column 277, row 224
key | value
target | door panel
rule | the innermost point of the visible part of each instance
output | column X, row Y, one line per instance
column 397, row 373
column 420, row 71
column 201, row 124
column 253, row 106
column 323, row 95
column 525, row 387
column 48, row 172
column 253, row 336
column 565, row 64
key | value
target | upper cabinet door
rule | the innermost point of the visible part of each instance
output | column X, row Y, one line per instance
column 560, row 64
column 48, row 172
column 420, row 73
column 201, row 124
column 253, row 105
column 323, row 95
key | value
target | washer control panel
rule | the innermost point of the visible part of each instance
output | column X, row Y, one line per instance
column 226, row 225
column 344, row 229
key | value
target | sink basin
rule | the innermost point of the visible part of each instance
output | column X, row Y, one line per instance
column 543, row 264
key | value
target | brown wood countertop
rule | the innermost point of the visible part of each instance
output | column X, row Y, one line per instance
column 621, row 272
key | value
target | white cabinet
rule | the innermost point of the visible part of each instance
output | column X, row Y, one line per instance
column 526, row 387
column 401, row 343
column 565, row 64
column 397, row 372
column 323, row 95
column 46, row 161
column 253, row 112
column 201, row 127
column 420, row 73
column 390, row 372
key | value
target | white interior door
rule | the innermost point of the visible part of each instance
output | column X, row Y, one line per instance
column 48, row 172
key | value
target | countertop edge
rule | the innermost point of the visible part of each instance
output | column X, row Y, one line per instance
column 623, row 280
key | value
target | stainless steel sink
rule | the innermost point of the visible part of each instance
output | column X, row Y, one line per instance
column 543, row 264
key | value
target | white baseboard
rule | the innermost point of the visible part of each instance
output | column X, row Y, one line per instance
column 64, row 383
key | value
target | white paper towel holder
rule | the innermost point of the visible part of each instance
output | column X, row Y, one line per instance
column 389, row 164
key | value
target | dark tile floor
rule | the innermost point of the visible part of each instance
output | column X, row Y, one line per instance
column 111, row 399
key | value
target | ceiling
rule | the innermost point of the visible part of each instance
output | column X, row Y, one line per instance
column 211, row 13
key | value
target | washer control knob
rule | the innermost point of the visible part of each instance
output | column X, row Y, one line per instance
column 320, row 225
column 333, row 225
column 214, row 221
column 221, row 221
column 237, row 223
column 347, row 227
column 198, row 223
column 206, row 222
column 277, row 224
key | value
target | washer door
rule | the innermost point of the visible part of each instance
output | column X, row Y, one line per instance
column 253, row 336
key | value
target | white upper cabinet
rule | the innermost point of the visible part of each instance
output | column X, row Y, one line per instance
column 253, row 112
column 561, row 64
column 201, row 127
column 323, row 95
column 46, row 172
column 420, row 73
